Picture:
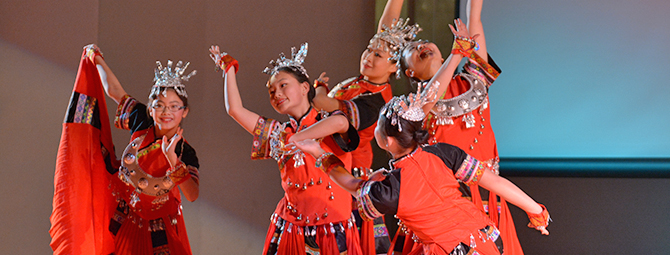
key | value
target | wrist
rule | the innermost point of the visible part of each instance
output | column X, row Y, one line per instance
column 179, row 173
column 320, row 84
column 464, row 46
column 327, row 161
column 541, row 219
column 226, row 62
column 92, row 52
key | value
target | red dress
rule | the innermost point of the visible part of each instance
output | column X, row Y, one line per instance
column 154, row 224
column 361, row 101
column 422, row 191
column 472, row 132
column 314, row 213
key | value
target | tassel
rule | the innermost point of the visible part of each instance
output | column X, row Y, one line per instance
column 444, row 120
column 469, row 120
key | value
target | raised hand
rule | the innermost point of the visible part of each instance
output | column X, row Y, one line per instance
column 461, row 30
column 169, row 144
column 222, row 60
column 322, row 78
column 215, row 53
column 92, row 50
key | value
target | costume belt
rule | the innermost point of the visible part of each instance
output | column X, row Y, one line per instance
column 446, row 109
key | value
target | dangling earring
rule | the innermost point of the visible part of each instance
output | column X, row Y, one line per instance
column 411, row 73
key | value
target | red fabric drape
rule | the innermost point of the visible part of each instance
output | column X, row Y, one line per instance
column 511, row 245
column 82, row 203
column 368, row 237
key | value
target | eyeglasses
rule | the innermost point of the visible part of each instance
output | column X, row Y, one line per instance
column 172, row 108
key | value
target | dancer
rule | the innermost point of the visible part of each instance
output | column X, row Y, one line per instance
column 461, row 116
column 362, row 97
column 148, row 217
column 314, row 216
column 421, row 189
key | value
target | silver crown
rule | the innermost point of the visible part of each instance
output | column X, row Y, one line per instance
column 410, row 107
column 166, row 78
column 296, row 60
column 397, row 37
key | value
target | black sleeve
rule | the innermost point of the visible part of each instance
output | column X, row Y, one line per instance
column 349, row 141
column 188, row 155
column 452, row 156
column 368, row 108
column 493, row 64
column 139, row 118
column 385, row 194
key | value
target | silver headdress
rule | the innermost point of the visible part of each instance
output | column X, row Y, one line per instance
column 296, row 60
column 397, row 37
column 166, row 78
column 411, row 107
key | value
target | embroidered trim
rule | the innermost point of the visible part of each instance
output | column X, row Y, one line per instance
column 179, row 174
column 260, row 148
column 380, row 230
column 366, row 208
column 471, row 171
column 123, row 112
column 477, row 66
column 350, row 110
column 84, row 110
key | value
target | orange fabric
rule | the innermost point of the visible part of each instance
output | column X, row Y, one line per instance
column 510, row 240
column 292, row 241
column 362, row 156
column 368, row 237
column 430, row 198
column 493, row 208
column 138, row 240
column 268, row 237
column 82, row 204
column 310, row 198
column 133, row 236
column 354, row 242
column 458, row 135
column 327, row 242
column 479, row 142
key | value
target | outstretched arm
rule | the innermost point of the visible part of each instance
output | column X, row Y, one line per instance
column 231, row 95
column 109, row 81
column 446, row 72
column 391, row 13
column 475, row 26
column 511, row 193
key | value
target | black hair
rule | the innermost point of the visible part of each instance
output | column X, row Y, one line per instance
column 412, row 134
column 301, row 77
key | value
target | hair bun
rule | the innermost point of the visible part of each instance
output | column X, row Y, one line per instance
column 421, row 136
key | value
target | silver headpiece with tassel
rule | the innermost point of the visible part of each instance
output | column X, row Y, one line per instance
column 296, row 60
column 396, row 38
column 166, row 78
column 410, row 107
